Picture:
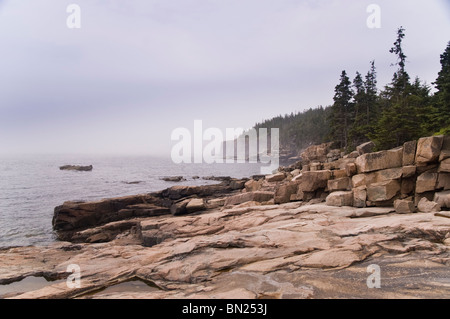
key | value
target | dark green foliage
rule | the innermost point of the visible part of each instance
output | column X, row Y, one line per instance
column 404, row 119
column 403, row 111
column 406, row 108
column 441, row 114
column 366, row 107
column 342, row 112
column 300, row 130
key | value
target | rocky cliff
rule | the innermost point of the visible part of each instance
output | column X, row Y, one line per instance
column 414, row 176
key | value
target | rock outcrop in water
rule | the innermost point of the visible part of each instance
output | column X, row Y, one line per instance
column 310, row 230
column 73, row 220
column 76, row 168
column 173, row 179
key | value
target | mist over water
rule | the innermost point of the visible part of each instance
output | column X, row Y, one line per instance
column 31, row 187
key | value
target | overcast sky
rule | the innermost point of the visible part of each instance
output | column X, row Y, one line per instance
column 137, row 69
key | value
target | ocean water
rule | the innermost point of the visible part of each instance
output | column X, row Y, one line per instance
column 31, row 187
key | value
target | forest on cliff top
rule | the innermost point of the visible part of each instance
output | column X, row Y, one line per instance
column 403, row 110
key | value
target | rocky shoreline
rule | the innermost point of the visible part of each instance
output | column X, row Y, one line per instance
column 309, row 230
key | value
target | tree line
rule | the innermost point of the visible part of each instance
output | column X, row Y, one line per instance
column 403, row 110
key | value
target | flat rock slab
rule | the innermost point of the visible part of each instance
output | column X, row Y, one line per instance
column 273, row 251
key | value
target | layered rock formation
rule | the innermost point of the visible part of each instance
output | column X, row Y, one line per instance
column 309, row 230
column 271, row 251
column 405, row 174
column 74, row 221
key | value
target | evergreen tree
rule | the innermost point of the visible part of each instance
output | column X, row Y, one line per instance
column 359, row 96
column 356, row 135
column 371, row 99
column 400, row 80
column 400, row 120
column 342, row 115
column 441, row 117
column 300, row 130
column 402, row 111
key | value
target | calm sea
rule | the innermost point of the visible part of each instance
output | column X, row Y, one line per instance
column 31, row 187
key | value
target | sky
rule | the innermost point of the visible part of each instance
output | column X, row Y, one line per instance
column 136, row 70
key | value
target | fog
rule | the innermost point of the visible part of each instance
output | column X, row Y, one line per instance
column 136, row 70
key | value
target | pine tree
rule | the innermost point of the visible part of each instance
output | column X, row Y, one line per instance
column 400, row 80
column 441, row 117
column 400, row 120
column 357, row 130
column 342, row 115
column 360, row 95
column 371, row 101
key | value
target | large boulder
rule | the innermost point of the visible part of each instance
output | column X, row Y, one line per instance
column 377, row 177
column 426, row 182
column 215, row 203
column 365, row 148
column 73, row 216
column 195, row 205
column 359, row 197
column 277, row 177
column 446, row 143
column 404, row 206
column 444, row 166
column 426, row 206
column 316, row 153
column 408, row 171
column 179, row 207
column 283, row 192
column 428, row 149
column 384, row 175
column 342, row 198
column 316, row 166
column 408, row 186
column 350, row 169
column 358, row 180
column 253, row 185
column 443, row 199
column 258, row 196
column 426, row 168
column 333, row 155
column 235, row 184
column 353, row 154
column 312, row 181
column 383, row 191
column 380, row 160
column 444, row 155
column 339, row 164
column 339, row 173
column 409, row 153
column 339, row 184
